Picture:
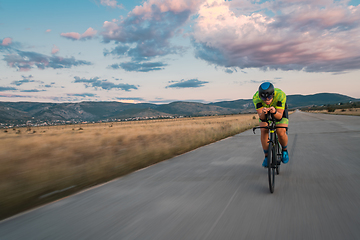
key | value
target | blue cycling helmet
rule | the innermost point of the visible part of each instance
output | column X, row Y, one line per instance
column 266, row 90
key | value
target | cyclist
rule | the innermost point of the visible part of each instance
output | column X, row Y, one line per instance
column 273, row 100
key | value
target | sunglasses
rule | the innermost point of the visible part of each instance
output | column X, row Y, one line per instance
column 267, row 97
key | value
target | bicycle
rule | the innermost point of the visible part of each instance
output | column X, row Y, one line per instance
column 274, row 151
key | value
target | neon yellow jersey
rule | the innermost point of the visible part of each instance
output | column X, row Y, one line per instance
column 278, row 101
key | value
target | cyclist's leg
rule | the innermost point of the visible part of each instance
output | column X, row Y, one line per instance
column 264, row 141
column 283, row 137
column 281, row 132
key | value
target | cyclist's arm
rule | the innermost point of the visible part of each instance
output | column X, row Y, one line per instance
column 278, row 113
column 262, row 114
column 279, row 108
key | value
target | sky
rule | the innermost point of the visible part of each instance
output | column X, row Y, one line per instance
column 161, row 51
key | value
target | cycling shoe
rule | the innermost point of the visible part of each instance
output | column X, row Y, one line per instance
column 285, row 157
column 265, row 162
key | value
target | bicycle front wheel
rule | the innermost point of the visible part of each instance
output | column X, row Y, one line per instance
column 271, row 167
column 278, row 157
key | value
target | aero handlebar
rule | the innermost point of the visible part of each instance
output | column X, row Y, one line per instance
column 270, row 117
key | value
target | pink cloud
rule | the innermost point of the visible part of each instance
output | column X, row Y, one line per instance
column 110, row 26
column 6, row 41
column 71, row 35
column 150, row 12
column 48, row 30
column 88, row 34
column 55, row 49
column 309, row 37
column 146, row 32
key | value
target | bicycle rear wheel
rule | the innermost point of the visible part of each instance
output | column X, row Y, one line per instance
column 271, row 167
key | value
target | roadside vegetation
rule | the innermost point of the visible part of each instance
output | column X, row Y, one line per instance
column 351, row 108
column 42, row 164
column 351, row 111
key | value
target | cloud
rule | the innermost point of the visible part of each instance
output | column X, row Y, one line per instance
column 131, row 99
column 120, row 50
column 24, row 61
column 71, row 35
column 33, row 90
column 24, row 80
column 104, row 84
column 230, row 71
column 14, row 96
column 139, row 67
column 48, row 30
column 2, row 89
column 88, row 34
column 111, row 3
column 6, row 41
column 274, row 81
column 82, row 95
column 192, row 83
column 149, row 28
column 55, row 49
column 313, row 36
column 259, row 81
column 8, row 45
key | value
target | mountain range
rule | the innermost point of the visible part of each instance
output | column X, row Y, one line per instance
column 97, row 111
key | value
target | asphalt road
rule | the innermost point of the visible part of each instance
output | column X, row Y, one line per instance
column 220, row 191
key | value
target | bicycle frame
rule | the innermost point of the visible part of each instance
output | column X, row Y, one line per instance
column 271, row 127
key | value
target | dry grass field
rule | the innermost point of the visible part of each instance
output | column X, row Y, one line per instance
column 46, row 163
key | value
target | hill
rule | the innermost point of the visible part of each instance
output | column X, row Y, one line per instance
column 293, row 101
column 21, row 112
column 297, row 101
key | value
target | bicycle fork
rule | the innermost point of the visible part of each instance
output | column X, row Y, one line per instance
column 272, row 164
